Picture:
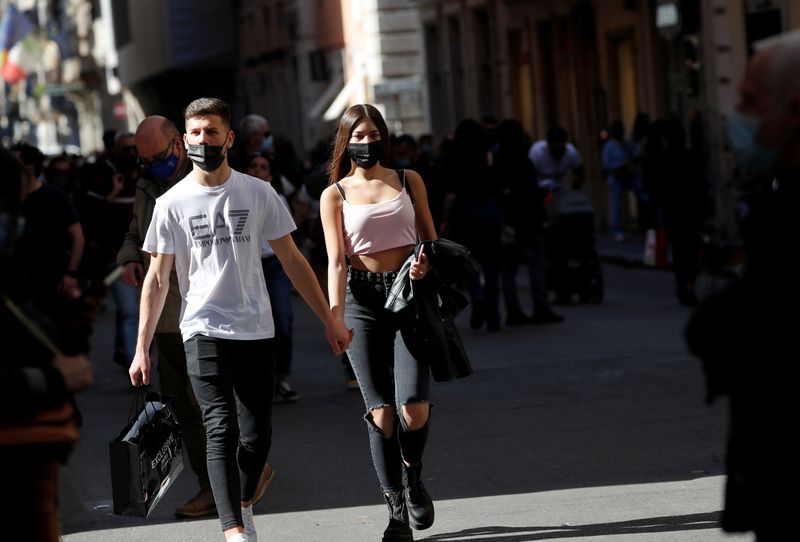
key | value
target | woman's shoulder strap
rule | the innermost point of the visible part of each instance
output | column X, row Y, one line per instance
column 340, row 189
column 402, row 174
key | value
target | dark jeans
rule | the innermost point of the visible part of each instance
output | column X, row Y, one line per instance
column 233, row 382
column 126, row 300
column 174, row 381
column 484, row 289
column 279, row 288
column 387, row 373
column 532, row 251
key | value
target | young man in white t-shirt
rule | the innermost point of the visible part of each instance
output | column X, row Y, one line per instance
column 211, row 225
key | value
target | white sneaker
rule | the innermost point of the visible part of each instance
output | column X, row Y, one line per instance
column 249, row 525
column 238, row 537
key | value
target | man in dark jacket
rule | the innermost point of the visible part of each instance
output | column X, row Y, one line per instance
column 747, row 344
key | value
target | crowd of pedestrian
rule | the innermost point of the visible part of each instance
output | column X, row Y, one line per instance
column 108, row 226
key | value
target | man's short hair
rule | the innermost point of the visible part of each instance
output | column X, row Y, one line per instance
column 406, row 139
column 30, row 155
column 206, row 107
column 252, row 124
column 120, row 136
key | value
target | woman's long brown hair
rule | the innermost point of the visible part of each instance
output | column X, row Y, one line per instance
column 341, row 165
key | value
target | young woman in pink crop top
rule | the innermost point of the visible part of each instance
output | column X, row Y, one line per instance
column 368, row 217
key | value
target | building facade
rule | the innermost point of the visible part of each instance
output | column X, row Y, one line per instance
column 305, row 61
column 582, row 64
column 62, row 103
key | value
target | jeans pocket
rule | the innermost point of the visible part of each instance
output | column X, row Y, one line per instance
column 202, row 356
column 365, row 293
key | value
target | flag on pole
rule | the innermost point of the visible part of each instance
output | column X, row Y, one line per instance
column 19, row 45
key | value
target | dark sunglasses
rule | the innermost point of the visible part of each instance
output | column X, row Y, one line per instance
column 160, row 157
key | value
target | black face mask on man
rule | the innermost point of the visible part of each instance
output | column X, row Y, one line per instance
column 207, row 157
column 366, row 155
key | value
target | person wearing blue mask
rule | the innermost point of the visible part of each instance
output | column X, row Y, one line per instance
column 741, row 334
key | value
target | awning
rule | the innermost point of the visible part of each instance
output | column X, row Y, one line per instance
column 335, row 98
column 327, row 96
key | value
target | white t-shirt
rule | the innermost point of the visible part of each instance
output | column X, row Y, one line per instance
column 547, row 168
column 266, row 248
column 215, row 234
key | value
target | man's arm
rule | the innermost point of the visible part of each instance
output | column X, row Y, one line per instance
column 303, row 278
column 69, row 283
column 154, row 293
column 76, row 249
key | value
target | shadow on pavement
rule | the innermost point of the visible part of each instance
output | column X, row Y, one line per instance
column 689, row 522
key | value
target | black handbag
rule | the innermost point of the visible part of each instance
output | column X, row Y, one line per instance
column 146, row 456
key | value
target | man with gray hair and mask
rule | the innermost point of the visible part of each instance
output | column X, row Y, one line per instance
column 252, row 137
column 741, row 334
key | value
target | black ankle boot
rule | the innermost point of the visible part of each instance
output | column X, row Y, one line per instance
column 398, row 529
column 419, row 503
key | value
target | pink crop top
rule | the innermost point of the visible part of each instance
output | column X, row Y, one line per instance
column 373, row 227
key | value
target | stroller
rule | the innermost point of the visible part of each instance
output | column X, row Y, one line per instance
column 573, row 264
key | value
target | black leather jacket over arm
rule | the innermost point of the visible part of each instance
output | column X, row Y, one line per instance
column 431, row 305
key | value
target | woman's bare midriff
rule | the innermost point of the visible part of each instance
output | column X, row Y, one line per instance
column 380, row 262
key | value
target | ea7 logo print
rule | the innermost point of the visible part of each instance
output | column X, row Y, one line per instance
column 206, row 232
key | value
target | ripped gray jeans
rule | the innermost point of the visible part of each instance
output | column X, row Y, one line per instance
column 387, row 373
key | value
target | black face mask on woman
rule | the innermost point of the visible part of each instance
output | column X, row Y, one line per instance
column 366, row 155
column 207, row 157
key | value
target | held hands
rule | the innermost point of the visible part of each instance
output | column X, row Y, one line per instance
column 338, row 336
column 419, row 267
column 139, row 370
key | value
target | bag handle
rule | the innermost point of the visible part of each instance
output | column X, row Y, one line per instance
column 139, row 400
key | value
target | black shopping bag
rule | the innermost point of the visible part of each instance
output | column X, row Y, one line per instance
column 146, row 456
